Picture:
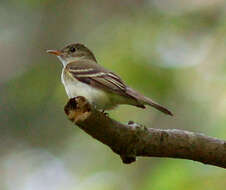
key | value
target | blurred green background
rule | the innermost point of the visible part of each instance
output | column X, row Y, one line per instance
column 173, row 51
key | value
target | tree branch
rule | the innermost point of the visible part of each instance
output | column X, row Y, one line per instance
column 132, row 140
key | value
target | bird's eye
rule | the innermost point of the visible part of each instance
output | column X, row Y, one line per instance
column 72, row 49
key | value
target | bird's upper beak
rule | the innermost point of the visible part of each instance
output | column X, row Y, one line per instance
column 54, row 52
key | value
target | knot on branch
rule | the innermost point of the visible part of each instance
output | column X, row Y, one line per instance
column 128, row 159
column 77, row 109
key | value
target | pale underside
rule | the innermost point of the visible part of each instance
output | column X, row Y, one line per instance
column 101, row 99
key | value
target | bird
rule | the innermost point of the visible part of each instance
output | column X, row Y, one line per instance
column 83, row 76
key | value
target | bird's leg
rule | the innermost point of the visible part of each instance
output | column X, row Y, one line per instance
column 101, row 110
column 105, row 113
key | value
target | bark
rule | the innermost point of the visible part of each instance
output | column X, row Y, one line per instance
column 132, row 140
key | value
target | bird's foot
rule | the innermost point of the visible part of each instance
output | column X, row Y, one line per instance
column 105, row 113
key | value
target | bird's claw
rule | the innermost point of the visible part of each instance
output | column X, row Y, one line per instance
column 105, row 113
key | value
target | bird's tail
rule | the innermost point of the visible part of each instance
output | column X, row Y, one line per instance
column 157, row 106
column 145, row 100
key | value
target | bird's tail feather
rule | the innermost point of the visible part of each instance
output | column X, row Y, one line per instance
column 157, row 106
column 145, row 100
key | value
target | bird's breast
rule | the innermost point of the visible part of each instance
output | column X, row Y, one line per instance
column 75, row 88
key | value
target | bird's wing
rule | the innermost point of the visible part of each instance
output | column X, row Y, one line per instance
column 98, row 77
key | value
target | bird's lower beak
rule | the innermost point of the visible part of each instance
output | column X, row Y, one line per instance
column 54, row 52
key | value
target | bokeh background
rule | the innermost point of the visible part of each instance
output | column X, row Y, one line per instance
column 171, row 50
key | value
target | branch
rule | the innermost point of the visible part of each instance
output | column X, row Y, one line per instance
column 132, row 140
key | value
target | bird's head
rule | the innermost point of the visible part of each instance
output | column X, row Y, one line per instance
column 72, row 53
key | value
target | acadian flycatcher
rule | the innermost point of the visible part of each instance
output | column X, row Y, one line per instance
column 83, row 76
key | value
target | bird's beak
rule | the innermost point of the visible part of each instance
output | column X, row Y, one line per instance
column 54, row 52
